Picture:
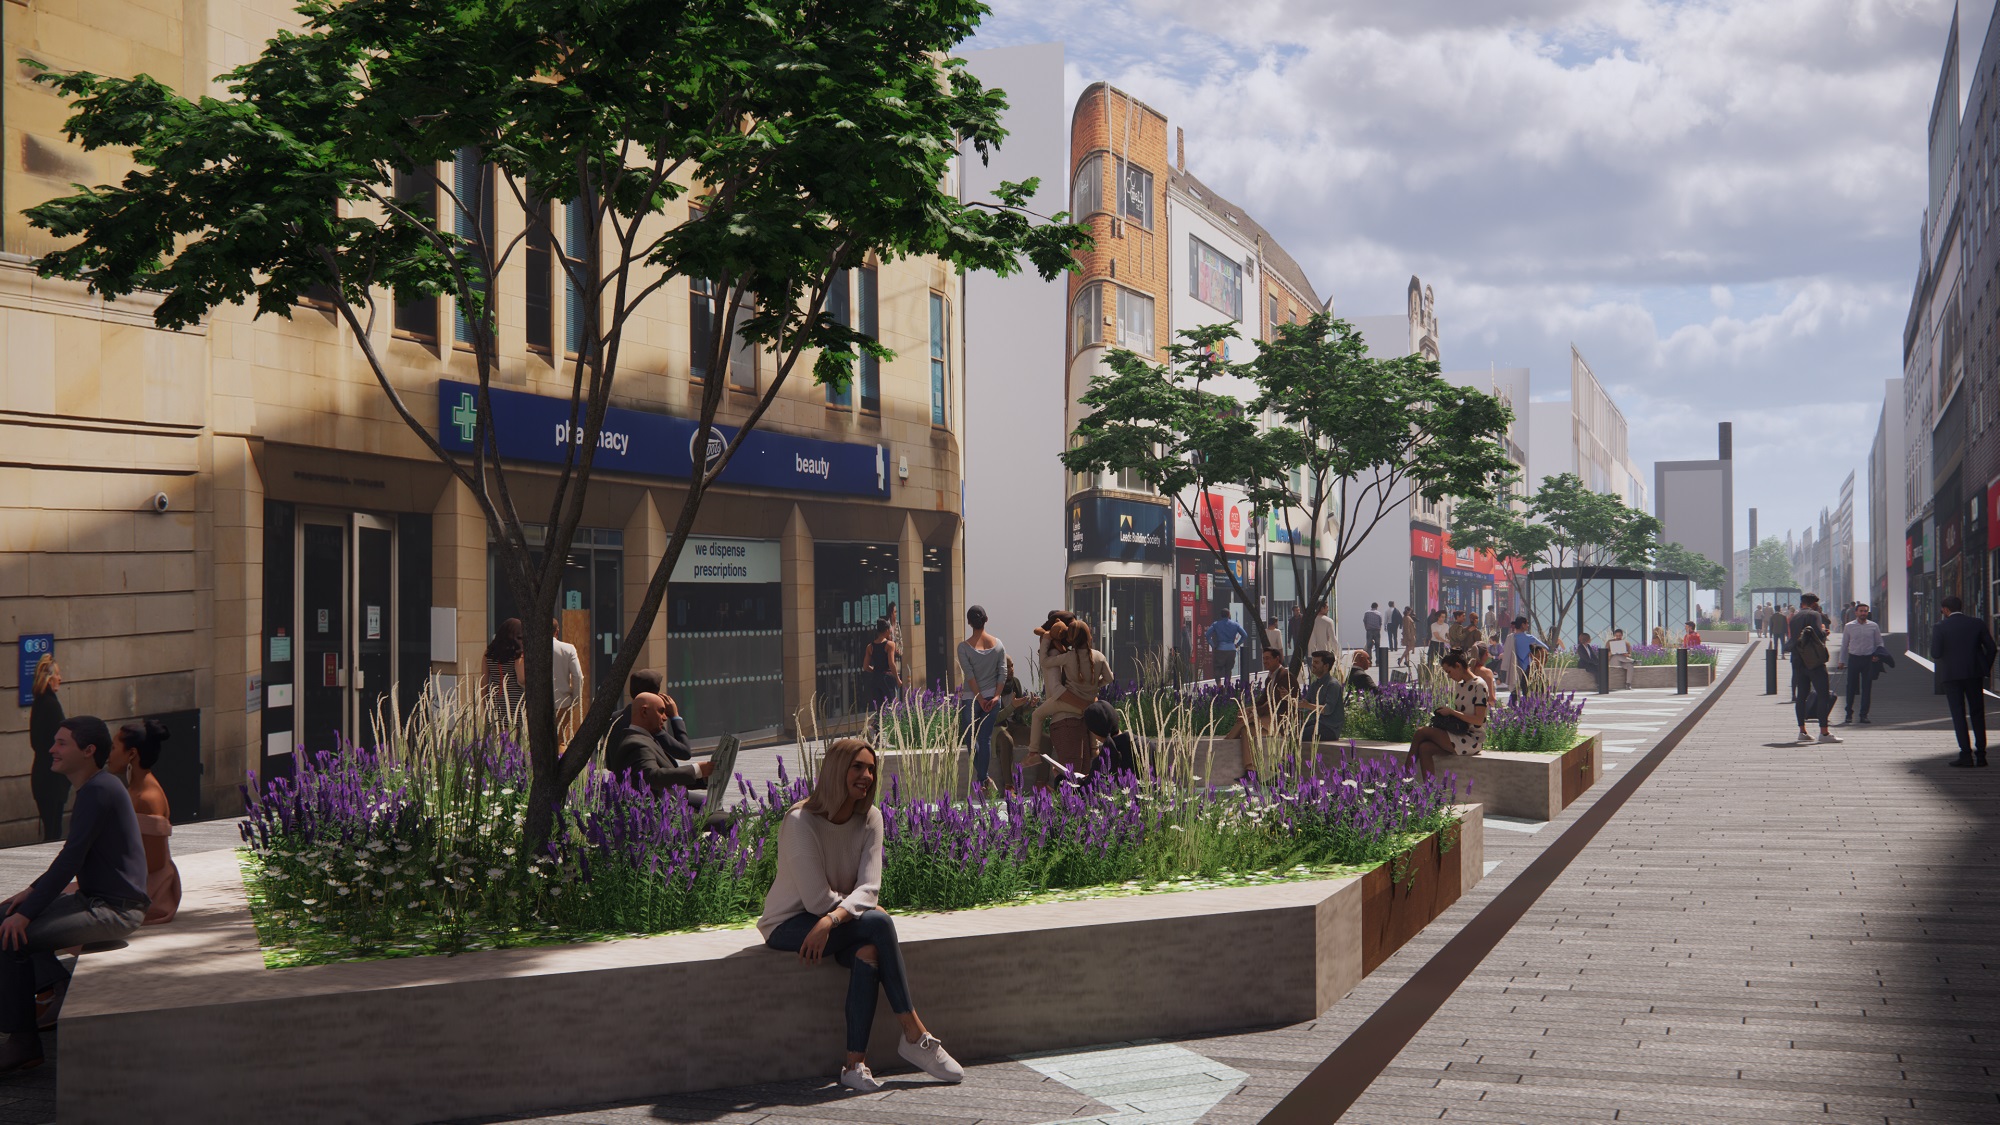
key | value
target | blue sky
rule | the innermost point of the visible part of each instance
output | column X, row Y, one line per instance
column 1717, row 202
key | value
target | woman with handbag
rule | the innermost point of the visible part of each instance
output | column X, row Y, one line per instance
column 1459, row 728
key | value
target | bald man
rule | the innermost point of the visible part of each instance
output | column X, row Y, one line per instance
column 637, row 749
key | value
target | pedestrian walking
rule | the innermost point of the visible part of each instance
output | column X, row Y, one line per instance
column 1224, row 637
column 1411, row 636
column 1323, row 637
column 1392, row 621
column 1440, row 637
column 1812, row 696
column 1521, row 647
column 1371, row 623
column 1861, row 654
column 1962, row 648
column 503, row 669
column 880, row 660
column 1777, row 625
column 51, row 789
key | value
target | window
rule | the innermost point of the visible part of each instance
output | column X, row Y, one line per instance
column 851, row 299
column 703, row 318
column 939, row 311
column 472, row 220
column 1274, row 310
column 1135, row 193
column 416, row 316
column 1135, row 321
column 1214, row 278
column 1086, row 191
column 742, row 352
column 577, row 326
column 1086, row 318
column 536, row 295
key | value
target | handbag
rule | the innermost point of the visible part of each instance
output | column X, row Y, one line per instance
column 1451, row 724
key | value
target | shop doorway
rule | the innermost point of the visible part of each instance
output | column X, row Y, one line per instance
column 346, row 625
column 1125, row 618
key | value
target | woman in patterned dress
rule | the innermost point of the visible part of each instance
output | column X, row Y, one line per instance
column 1467, row 711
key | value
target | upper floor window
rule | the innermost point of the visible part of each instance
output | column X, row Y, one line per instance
column 708, row 309
column 472, row 220
column 852, row 300
column 577, row 323
column 940, row 323
column 1086, row 191
column 1214, row 278
column 1086, row 317
column 416, row 316
column 539, row 261
column 1135, row 193
column 1135, row 322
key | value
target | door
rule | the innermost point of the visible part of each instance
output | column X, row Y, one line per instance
column 1135, row 625
column 322, row 632
column 374, row 622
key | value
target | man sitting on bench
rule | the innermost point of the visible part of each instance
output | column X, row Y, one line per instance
column 640, row 749
column 104, row 855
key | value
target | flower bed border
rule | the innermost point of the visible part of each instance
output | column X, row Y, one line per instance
column 1524, row 783
column 513, row 1031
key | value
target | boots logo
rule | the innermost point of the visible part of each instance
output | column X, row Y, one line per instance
column 715, row 447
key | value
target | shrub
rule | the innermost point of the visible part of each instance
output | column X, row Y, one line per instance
column 1536, row 722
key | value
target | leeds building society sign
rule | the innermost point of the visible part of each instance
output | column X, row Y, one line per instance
column 537, row 428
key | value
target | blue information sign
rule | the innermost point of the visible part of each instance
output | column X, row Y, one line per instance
column 33, row 647
column 537, row 428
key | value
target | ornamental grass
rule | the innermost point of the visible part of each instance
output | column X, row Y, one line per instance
column 415, row 846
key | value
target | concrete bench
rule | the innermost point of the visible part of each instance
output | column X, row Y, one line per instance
column 1506, row 783
column 514, row 1031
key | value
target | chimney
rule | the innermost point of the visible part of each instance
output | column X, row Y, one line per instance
column 1722, row 441
column 1753, row 529
column 1180, row 149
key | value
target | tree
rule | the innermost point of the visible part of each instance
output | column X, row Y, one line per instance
column 809, row 135
column 1365, row 435
column 1579, row 530
column 1676, row 559
column 1770, row 569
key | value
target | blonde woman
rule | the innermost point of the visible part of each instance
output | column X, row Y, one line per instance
column 44, row 719
column 824, row 903
column 1660, row 637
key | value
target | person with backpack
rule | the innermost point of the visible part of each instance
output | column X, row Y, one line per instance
column 1812, row 695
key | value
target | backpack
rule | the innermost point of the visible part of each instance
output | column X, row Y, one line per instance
column 1810, row 647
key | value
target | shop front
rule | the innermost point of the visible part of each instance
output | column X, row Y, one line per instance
column 1120, row 559
column 855, row 585
column 726, row 637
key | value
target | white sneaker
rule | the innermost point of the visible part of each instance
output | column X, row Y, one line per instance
column 859, row 1077
column 929, row 1056
column 1829, row 736
column 1804, row 737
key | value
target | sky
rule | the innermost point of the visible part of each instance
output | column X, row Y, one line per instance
column 1718, row 203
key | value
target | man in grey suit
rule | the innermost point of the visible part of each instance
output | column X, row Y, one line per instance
column 1963, row 650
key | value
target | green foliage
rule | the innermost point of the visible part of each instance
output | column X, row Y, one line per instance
column 1565, row 525
column 1706, row 572
column 1770, row 568
column 1390, row 429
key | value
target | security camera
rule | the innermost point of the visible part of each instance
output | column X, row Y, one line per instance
column 159, row 501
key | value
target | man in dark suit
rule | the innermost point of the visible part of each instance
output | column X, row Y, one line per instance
column 638, row 749
column 1588, row 656
column 1963, row 649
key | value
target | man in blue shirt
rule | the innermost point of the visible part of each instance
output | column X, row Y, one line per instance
column 1522, row 646
column 1224, row 637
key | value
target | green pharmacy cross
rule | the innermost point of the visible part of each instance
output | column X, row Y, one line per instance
column 466, row 417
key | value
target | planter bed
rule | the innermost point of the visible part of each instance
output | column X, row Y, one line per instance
column 1535, row 786
column 511, row 1031
column 1643, row 676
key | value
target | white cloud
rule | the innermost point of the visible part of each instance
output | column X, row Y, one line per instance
column 1716, row 202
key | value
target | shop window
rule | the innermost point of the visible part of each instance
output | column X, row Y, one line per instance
column 1086, row 193
column 472, row 220
column 725, row 637
column 1086, row 318
column 854, row 586
column 1135, row 322
column 536, row 296
column 1135, row 193
column 589, row 606
column 939, row 313
column 852, row 300
column 416, row 315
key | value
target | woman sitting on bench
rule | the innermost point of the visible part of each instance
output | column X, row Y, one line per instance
column 824, row 902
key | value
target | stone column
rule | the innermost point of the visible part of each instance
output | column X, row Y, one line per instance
column 458, row 574
column 910, row 577
column 237, row 545
column 645, row 545
column 795, row 571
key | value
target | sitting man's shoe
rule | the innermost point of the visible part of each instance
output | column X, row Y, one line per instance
column 1829, row 736
column 929, row 1056
column 48, row 1006
column 859, row 1077
column 21, row 1050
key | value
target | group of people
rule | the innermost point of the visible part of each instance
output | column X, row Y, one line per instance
column 114, row 850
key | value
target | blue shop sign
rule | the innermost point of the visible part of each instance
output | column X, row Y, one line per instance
column 34, row 646
column 1122, row 530
column 537, row 428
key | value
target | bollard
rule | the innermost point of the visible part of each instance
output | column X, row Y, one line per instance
column 1771, row 670
column 1680, row 671
column 1604, row 673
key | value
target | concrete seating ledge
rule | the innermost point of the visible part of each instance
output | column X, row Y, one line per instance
column 1507, row 783
column 511, row 1031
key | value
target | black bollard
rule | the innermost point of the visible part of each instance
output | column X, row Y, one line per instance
column 1771, row 670
column 1603, row 673
column 1680, row 671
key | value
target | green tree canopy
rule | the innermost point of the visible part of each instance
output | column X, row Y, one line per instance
column 1706, row 572
column 1364, row 436
column 1770, row 569
column 1565, row 525
column 811, row 135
